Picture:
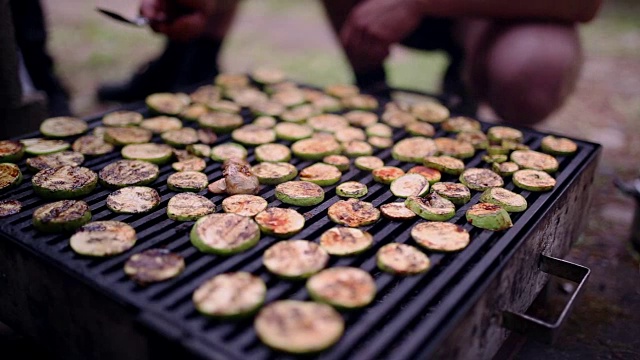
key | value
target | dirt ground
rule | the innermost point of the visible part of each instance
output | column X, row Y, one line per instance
column 605, row 108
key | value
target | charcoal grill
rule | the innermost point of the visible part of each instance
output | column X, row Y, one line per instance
column 79, row 307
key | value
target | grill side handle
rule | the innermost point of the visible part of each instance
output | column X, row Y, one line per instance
column 538, row 329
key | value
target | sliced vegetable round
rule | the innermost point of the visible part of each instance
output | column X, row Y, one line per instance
column 440, row 236
column 61, row 216
column 230, row 295
column 350, row 134
column 342, row 287
column 103, row 238
column 344, row 241
column 315, row 149
column 11, row 151
column 181, row 137
column 245, row 205
column 253, row 135
column 133, row 200
column 267, row 76
column 480, row 179
column 122, row 118
column 458, row 194
column 220, row 122
column 272, row 153
column 274, row 173
column 529, row 159
column 351, row 189
column 489, row 216
column 92, row 145
column 195, row 164
column 368, row 163
column 207, row 136
column 161, row 124
column 339, row 161
column 413, row 149
column 193, row 181
column 55, row 160
column 360, row 102
column 557, row 145
column 342, row 90
column 9, row 207
column 292, row 132
column 418, row 128
column 127, row 135
column 397, row 211
column 498, row 133
column 430, row 111
column 298, row 327
column 280, row 222
column 379, row 130
column 431, row 207
column 193, row 112
column 353, row 213
column 361, row 118
column 504, row 198
column 200, row 150
column 476, row 138
column 455, row 148
column 357, row 148
column 44, row 147
column 165, row 103
column 300, row 193
column 387, row 174
column 401, row 259
column 295, row 259
column 10, row 176
column 445, row 164
column 153, row 153
column 189, row 207
column 497, row 150
column 321, row 174
column 128, row 173
column 228, row 151
column 432, row 175
column 398, row 118
column 533, row 180
column 224, row 234
column 505, row 168
column 63, row 126
column 230, row 81
column 459, row 124
column 267, row 122
column 154, row 265
column 409, row 185
column 495, row 158
column 288, row 98
column 64, row 182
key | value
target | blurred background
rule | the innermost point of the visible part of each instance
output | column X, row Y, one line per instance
column 90, row 49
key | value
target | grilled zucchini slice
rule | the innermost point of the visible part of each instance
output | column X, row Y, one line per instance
column 418, row 128
column 266, row 122
column 295, row 259
column 339, row 161
column 445, row 164
column 268, row 76
column 351, row 189
column 557, row 145
column 11, row 151
column 189, row 207
column 505, row 168
column 300, row 193
column 495, row 158
column 480, row 179
column 321, row 174
column 497, row 134
column 193, row 181
column 397, row 211
column 133, row 200
column 504, row 198
column 344, row 241
column 379, row 130
column 431, row 207
column 280, row 222
column 440, row 236
column 272, row 153
column 458, row 194
column 401, row 259
column 195, row 164
column 224, row 234
column 353, row 213
column 55, row 160
column 298, row 327
column 230, row 295
column 120, row 136
column 489, row 216
column 430, row 111
column 161, row 124
column 64, row 182
column 165, row 104
column 231, row 81
column 245, row 205
column 529, row 159
column 9, row 207
column 292, row 132
column 194, row 112
column 200, row 150
column 180, row 138
column 288, row 98
column 478, row 139
column 341, row 90
column 153, row 153
column 92, row 145
column 368, row 163
column 361, row 118
column 413, row 149
column 455, row 148
column 342, row 287
column 432, row 175
column 154, row 265
column 61, row 216
column 10, row 176
column 409, row 185
column 330, row 123
column 128, row 173
column 103, row 238
column 253, row 135
column 62, row 127
column 220, row 122
column 122, row 118
column 360, row 102
column 533, row 180
column 274, row 173
column 357, row 148
column 460, row 124
column 44, row 147
column 387, row 174
column 228, row 151
column 350, row 134
column 207, row 136
column 398, row 118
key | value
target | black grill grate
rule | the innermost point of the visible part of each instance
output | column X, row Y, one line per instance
column 408, row 316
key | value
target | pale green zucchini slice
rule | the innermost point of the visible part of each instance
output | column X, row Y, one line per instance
column 200, row 150
column 321, row 174
column 455, row 148
column 339, row 161
column 300, row 193
column 295, row 259
column 127, row 135
column 342, row 287
column 497, row 150
column 350, row 134
column 195, row 164
column 65, row 182
column 151, row 152
column 55, row 160
column 440, row 236
column 533, row 180
column 353, row 213
column 266, row 122
column 230, row 295
column 397, row 211
column 558, row 145
column 272, row 153
column 193, row 112
column 344, row 241
column 268, row 76
column 228, row 151
column 192, row 181
column 224, row 234
column 445, row 164
column 103, row 238
column 292, row 132
column 505, row 168
column 398, row 118
column 351, row 189
column 180, row 138
column 341, row 90
column 430, row 111
column 357, row 148
column 315, row 149
column 245, row 205
column 253, row 135
column 205, row 94
column 414, row 149
column 504, row 198
column 379, row 130
column 223, row 107
column 61, row 216
column 268, row 108
column 133, row 200
column 92, row 145
column 165, row 104
column 401, row 259
column 432, row 175
column 189, row 207
column 44, row 147
column 124, row 173
column 154, row 265
column 62, row 127
column 330, row 123
column 122, row 118
column 480, row 179
column 361, row 118
column 497, row 134
column 409, row 185
column 460, row 124
column 489, row 216
column 431, row 207
column 288, row 98
column 161, row 124
column 458, row 194
column 478, row 139
column 387, row 174
column 529, row 159
column 418, row 128
column 280, row 222
column 327, row 104
column 274, row 173
column 368, row 163
column 221, row 122
column 11, row 151
column 360, row 102
column 495, row 158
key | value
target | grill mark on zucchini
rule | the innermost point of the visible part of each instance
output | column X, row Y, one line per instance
column 230, row 295
column 64, row 182
column 55, row 160
column 133, row 200
column 154, row 265
column 9, row 207
column 353, row 213
column 294, row 259
column 128, row 172
column 245, row 205
column 189, row 207
column 401, row 259
column 344, row 241
column 280, row 222
column 480, row 179
column 103, row 238
column 61, row 216
column 224, row 234
column 342, row 287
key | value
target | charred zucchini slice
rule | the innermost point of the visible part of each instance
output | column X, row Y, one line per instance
column 127, row 135
column 64, row 182
column 103, row 238
column 321, row 174
column 180, row 138
column 245, row 205
column 413, row 149
column 224, row 234
column 344, row 241
column 480, row 179
column 253, row 135
column 153, row 153
column 221, row 122
column 440, row 236
column 387, row 174
column 128, row 173
column 533, row 180
column 62, row 127
column 230, row 295
column 298, row 327
column 401, row 259
column 431, row 207
column 339, row 161
column 55, row 160
column 368, row 163
column 432, row 175
column 458, row 194
column 342, row 287
column 351, row 189
column 9, row 207
column 315, row 149
column 10, row 176
column 228, row 151
column 445, row 164
column 11, row 151
column 189, row 207
column 193, row 181
column 274, row 173
column 44, row 147
column 91, row 145
column 397, row 211
column 505, row 168
column 430, row 111
column 133, row 200
column 61, row 216
column 455, row 148
column 300, row 193
column 272, row 153
column 353, row 213
column 154, row 265
column 295, row 259
column 195, row 164
column 557, row 145
column 361, row 118
column 504, row 198
column 409, row 185
column 478, row 139
column 497, row 134
column 529, row 159
column 165, row 104
column 122, row 118
column 161, row 124
column 280, row 222
column 292, row 132
column 489, row 216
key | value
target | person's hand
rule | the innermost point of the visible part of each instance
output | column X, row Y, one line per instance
column 373, row 26
column 180, row 20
